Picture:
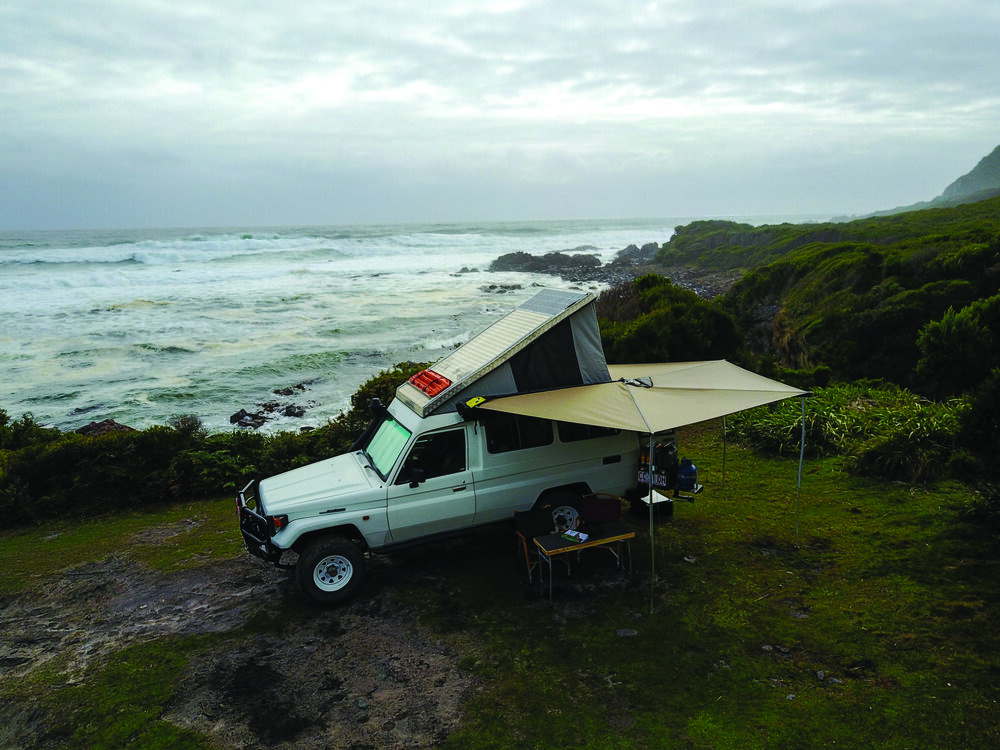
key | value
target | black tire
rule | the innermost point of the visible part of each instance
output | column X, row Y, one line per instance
column 555, row 498
column 331, row 569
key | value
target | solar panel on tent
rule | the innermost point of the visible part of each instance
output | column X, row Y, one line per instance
column 490, row 348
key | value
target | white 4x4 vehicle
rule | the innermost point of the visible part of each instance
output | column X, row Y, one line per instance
column 411, row 479
column 425, row 468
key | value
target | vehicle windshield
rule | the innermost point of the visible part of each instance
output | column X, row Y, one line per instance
column 385, row 445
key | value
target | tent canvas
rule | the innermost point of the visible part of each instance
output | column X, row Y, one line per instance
column 549, row 341
column 653, row 398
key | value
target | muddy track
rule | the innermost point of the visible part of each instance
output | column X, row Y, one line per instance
column 360, row 675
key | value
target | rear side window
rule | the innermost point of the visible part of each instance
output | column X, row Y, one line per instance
column 512, row 432
column 570, row 432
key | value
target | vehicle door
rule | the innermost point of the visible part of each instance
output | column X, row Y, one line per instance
column 433, row 491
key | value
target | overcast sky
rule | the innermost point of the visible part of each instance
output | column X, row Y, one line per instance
column 129, row 113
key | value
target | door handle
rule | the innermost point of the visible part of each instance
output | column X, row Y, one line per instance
column 458, row 489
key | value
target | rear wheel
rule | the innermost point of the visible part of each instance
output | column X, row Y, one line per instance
column 330, row 569
column 565, row 505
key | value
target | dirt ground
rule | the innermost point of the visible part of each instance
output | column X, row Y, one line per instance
column 364, row 674
column 360, row 675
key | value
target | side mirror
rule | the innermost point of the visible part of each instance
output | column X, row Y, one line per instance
column 417, row 477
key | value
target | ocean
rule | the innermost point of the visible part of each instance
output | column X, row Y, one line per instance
column 143, row 326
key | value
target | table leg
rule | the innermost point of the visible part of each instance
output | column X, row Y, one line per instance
column 551, row 576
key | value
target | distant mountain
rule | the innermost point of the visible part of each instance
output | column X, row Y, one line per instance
column 981, row 183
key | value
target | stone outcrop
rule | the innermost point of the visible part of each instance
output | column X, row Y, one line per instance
column 556, row 263
column 103, row 428
column 581, row 267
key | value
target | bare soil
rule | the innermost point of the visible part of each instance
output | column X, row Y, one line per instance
column 360, row 675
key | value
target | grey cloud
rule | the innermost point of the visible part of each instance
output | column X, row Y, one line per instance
column 567, row 101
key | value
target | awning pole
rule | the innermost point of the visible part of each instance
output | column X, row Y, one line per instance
column 724, row 451
column 652, row 539
column 802, row 452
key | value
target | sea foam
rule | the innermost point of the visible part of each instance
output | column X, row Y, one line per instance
column 146, row 325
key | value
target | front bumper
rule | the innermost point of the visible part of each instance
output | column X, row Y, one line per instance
column 255, row 527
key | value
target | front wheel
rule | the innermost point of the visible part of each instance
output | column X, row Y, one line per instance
column 331, row 569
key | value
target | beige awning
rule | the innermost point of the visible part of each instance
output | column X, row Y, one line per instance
column 655, row 398
column 651, row 398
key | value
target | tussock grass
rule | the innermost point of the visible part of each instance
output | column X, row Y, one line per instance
column 882, row 430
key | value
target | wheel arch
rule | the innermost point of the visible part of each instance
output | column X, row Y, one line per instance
column 577, row 489
column 347, row 531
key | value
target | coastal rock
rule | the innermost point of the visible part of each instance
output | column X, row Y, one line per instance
column 256, row 419
column 636, row 256
column 500, row 288
column 103, row 428
column 581, row 267
column 290, row 390
column 553, row 263
column 243, row 418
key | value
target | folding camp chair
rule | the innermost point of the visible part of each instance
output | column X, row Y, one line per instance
column 600, row 507
column 528, row 524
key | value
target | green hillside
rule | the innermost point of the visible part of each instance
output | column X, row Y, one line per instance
column 717, row 245
column 856, row 297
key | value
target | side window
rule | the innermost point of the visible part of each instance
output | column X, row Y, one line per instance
column 512, row 432
column 570, row 432
column 438, row 454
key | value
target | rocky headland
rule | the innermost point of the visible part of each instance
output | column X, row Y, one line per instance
column 582, row 267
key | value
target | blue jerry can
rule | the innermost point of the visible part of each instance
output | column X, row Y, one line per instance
column 687, row 475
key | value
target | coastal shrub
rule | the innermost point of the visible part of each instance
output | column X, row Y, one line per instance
column 984, row 506
column 959, row 350
column 882, row 430
column 979, row 431
column 907, row 453
column 220, row 463
column 23, row 432
column 76, row 476
column 287, row 450
column 857, row 298
column 381, row 386
column 672, row 324
column 46, row 474
column 189, row 424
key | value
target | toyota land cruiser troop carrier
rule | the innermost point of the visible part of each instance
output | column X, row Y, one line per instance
column 430, row 465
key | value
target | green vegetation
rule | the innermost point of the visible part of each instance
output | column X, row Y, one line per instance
column 728, row 245
column 876, row 627
column 881, row 430
column 865, row 615
column 868, row 299
column 653, row 320
column 863, row 612
column 45, row 474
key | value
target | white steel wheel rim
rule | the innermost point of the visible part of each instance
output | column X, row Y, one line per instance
column 332, row 573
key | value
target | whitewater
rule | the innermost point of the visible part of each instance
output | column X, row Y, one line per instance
column 144, row 326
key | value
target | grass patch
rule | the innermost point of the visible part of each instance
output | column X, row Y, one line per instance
column 180, row 536
column 862, row 614
column 120, row 705
column 875, row 625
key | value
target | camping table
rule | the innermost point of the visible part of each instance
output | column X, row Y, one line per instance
column 612, row 535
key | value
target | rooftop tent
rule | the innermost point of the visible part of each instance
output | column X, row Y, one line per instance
column 549, row 341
